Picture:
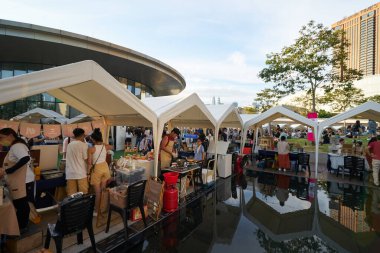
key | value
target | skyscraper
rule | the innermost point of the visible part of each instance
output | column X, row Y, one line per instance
column 362, row 35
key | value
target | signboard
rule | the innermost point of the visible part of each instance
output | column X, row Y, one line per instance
column 52, row 131
column 313, row 116
column 30, row 130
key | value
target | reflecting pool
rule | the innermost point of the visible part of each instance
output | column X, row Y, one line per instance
column 269, row 213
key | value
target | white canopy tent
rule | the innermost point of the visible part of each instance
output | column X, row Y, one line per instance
column 87, row 87
column 368, row 110
column 37, row 115
column 226, row 115
column 79, row 118
column 277, row 112
column 178, row 110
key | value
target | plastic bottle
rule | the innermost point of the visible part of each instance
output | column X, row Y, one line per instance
column 37, row 173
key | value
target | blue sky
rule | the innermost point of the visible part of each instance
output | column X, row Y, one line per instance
column 218, row 46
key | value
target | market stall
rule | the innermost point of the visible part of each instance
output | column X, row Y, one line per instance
column 178, row 110
column 275, row 113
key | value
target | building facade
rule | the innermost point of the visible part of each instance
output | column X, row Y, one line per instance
column 363, row 35
column 26, row 48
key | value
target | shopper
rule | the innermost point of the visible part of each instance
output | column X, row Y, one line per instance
column 15, row 166
column 76, row 164
column 199, row 152
column 374, row 149
column 283, row 154
column 97, row 165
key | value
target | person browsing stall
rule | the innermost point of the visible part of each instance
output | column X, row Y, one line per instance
column 374, row 149
column 76, row 164
column 15, row 168
column 199, row 152
column 283, row 154
column 100, row 173
column 167, row 147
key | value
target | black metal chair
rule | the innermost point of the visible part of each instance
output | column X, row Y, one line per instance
column 358, row 169
column 135, row 198
column 304, row 162
column 75, row 215
column 348, row 165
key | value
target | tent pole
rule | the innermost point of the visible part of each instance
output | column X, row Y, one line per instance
column 215, row 154
column 257, row 136
column 316, row 133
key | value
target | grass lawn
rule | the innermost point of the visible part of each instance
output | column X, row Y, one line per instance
column 307, row 145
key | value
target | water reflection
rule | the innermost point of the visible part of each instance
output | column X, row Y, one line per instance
column 273, row 213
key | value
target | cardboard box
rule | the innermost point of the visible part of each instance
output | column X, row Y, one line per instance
column 25, row 243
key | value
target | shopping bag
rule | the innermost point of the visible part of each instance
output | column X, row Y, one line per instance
column 154, row 195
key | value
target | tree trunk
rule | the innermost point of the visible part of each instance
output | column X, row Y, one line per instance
column 313, row 98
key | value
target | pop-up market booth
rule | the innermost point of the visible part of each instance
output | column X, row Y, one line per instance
column 85, row 86
column 268, row 117
column 226, row 115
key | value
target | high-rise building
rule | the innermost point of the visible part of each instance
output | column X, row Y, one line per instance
column 362, row 34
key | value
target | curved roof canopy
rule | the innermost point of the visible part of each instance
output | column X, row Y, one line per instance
column 33, row 44
column 87, row 87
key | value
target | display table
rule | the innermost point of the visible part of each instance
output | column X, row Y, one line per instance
column 337, row 160
column 8, row 218
column 46, row 189
column 183, row 171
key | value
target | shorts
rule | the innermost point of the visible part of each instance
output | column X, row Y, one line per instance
column 101, row 173
column 76, row 185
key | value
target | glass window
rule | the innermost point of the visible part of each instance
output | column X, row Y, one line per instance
column 138, row 89
column 46, row 97
column 6, row 71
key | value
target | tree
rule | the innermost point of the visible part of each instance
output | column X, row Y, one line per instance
column 324, row 114
column 375, row 98
column 317, row 59
column 266, row 99
column 341, row 99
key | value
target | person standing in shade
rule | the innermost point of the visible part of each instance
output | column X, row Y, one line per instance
column 15, row 167
column 167, row 147
column 374, row 149
column 283, row 154
column 97, row 156
column 76, row 164
column 199, row 152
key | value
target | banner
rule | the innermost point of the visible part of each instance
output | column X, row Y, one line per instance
column 11, row 124
column 30, row 130
column 67, row 130
column 86, row 126
column 314, row 117
column 52, row 131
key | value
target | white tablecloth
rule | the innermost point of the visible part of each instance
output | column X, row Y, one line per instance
column 338, row 160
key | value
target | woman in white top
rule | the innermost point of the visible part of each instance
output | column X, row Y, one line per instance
column 100, row 173
column 15, row 166
column 283, row 154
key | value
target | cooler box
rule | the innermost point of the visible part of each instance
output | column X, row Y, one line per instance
column 224, row 165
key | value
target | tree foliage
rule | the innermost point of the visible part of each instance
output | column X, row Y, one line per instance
column 266, row 99
column 375, row 98
column 341, row 99
column 317, row 59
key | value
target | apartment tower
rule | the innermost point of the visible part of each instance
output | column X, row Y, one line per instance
column 362, row 32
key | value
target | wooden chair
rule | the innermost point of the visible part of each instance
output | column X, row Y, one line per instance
column 75, row 215
column 135, row 198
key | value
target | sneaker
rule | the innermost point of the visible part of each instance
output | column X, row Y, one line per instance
column 279, row 169
column 284, row 170
column 95, row 214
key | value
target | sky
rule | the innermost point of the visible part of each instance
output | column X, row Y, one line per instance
column 218, row 46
